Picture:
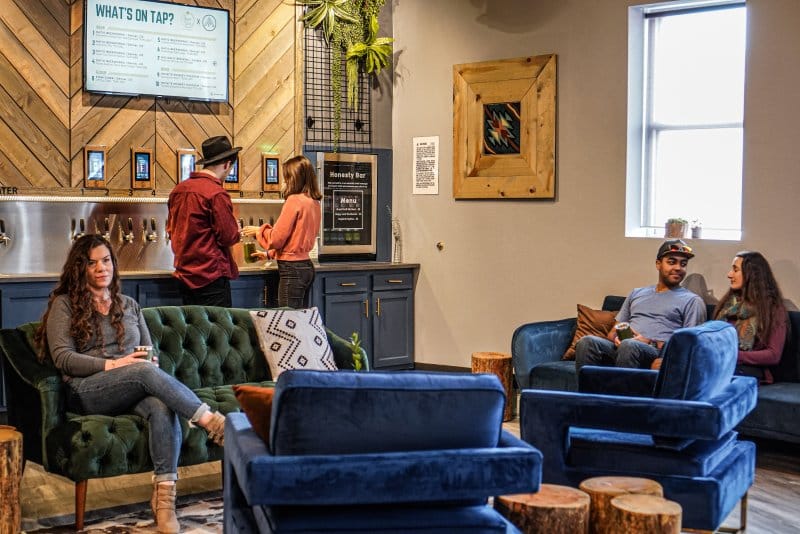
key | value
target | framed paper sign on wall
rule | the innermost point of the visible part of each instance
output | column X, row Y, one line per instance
column 94, row 166
column 141, row 168
column 504, row 117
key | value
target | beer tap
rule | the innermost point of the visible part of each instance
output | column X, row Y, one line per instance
column 127, row 236
column 241, row 229
column 82, row 230
column 4, row 238
column 106, row 229
column 152, row 235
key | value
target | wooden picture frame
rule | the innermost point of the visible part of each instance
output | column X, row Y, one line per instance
column 141, row 168
column 504, row 119
column 187, row 161
column 231, row 182
column 94, row 166
column 271, row 172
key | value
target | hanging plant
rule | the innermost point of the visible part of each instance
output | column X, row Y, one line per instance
column 374, row 54
column 350, row 29
column 326, row 13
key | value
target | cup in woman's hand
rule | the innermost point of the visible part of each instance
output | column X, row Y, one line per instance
column 145, row 348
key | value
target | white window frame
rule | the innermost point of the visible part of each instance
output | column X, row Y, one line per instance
column 641, row 129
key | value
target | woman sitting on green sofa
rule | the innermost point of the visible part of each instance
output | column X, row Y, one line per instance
column 90, row 330
column 754, row 305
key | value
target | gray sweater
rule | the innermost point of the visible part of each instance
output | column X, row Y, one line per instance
column 93, row 359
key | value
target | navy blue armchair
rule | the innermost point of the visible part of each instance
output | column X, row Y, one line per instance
column 376, row 452
column 674, row 425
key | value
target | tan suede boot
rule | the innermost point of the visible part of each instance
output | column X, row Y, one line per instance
column 216, row 428
column 163, row 504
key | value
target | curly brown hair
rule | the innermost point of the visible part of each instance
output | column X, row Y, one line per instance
column 85, row 322
column 760, row 290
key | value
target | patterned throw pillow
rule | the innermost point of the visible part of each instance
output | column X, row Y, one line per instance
column 590, row 323
column 293, row 339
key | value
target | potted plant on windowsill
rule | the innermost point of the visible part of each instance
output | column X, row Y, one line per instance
column 675, row 227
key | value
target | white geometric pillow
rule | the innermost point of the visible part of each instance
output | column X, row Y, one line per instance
column 293, row 339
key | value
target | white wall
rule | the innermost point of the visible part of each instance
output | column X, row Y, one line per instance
column 506, row 262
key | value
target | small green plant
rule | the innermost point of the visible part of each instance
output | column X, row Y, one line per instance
column 326, row 13
column 355, row 347
column 677, row 220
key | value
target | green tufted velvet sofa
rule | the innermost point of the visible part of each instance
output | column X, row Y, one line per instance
column 207, row 348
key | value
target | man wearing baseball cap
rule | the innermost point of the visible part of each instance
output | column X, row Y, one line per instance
column 653, row 313
column 202, row 228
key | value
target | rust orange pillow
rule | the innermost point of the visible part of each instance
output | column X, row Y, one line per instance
column 256, row 403
column 590, row 323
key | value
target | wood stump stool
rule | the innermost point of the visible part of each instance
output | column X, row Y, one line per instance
column 10, row 479
column 553, row 510
column 603, row 489
column 499, row 364
column 646, row 514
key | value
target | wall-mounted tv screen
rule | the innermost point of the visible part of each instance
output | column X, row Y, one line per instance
column 145, row 47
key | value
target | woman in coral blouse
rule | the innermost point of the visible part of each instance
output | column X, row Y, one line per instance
column 294, row 234
column 754, row 305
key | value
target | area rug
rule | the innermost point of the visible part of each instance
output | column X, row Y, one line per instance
column 198, row 514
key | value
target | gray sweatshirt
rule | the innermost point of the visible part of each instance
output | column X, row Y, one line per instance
column 93, row 359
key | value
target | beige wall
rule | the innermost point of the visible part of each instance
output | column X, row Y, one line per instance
column 506, row 263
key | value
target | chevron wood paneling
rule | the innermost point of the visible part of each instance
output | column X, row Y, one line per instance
column 46, row 119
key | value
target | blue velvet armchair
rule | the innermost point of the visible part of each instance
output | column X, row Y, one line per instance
column 674, row 425
column 376, row 452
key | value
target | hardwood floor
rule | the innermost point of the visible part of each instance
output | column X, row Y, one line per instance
column 774, row 499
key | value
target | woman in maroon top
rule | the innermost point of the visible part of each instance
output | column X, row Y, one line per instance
column 754, row 305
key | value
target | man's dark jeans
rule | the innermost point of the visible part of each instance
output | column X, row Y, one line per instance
column 294, row 283
column 217, row 293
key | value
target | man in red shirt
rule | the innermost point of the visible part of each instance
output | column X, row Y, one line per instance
column 202, row 228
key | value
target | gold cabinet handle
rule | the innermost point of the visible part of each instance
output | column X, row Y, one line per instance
column 266, row 296
column 391, row 281
column 347, row 284
column 366, row 308
column 378, row 307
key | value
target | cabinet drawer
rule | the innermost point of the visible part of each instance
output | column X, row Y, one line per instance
column 345, row 283
column 392, row 280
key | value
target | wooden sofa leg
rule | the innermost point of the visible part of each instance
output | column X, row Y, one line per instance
column 80, row 502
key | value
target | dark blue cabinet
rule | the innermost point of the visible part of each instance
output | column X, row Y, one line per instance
column 379, row 305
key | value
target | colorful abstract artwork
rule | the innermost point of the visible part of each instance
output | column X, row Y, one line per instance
column 501, row 128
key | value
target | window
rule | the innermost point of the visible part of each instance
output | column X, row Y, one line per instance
column 685, row 116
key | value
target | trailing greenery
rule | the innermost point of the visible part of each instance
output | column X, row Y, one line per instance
column 350, row 28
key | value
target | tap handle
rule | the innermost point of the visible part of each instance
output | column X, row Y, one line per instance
column 144, row 224
column 251, row 221
column 106, row 225
column 241, row 224
column 260, row 222
column 271, row 221
column 152, row 224
column 130, row 224
column 83, row 226
column 2, row 226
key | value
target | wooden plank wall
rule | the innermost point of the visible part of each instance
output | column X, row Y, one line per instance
column 46, row 118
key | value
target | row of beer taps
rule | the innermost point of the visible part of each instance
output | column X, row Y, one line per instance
column 126, row 233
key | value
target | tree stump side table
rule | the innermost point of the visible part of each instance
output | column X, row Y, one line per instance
column 553, row 510
column 498, row 364
column 646, row 514
column 603, row 489
column 10, row 479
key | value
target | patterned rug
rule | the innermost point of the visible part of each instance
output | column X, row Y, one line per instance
column 198, row 514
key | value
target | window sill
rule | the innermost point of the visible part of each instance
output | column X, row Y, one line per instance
column 707, row 234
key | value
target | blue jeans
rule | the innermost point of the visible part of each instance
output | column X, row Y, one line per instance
column 150, row 393
column 593, row 350
column 295, row 278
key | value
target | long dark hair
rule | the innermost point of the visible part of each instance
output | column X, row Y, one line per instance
column 299, row 177
column 760, row 291
column 85, row 322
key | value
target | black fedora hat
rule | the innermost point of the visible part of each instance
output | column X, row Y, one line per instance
column 216, row 149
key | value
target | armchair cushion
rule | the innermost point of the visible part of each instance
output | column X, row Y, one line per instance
column 590, row 323
column 370, row 408
column 621, row 451
column 698, row 362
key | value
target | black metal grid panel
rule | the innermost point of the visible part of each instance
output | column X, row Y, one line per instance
column 356, row 124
